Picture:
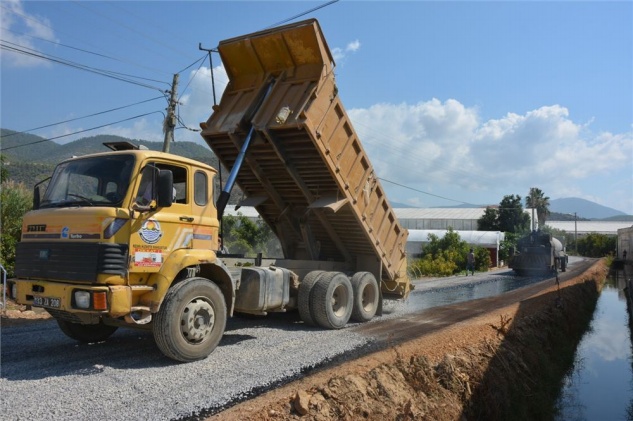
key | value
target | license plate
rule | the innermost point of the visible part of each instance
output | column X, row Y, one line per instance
column 47, row 302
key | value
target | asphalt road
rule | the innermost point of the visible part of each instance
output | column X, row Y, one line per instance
column 47, row 376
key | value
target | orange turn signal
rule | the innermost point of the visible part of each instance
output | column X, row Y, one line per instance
column 99, row 301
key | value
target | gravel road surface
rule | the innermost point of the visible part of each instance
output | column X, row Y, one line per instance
column 47, row 376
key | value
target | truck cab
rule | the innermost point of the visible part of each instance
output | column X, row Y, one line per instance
column 112, row 233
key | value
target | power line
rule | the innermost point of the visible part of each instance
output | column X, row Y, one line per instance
column 80, row 118
column 42, row 23
column 84, row 50
column 83, row 131
column 131, row 29
column 424, row 192
column 302, row 14
column 193, row 64
column 107, row 73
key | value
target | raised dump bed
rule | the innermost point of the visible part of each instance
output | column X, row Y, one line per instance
column 305, row 169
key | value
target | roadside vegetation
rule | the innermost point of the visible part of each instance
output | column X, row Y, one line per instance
column 15, row 201
column 446, row 256
column 244, row 236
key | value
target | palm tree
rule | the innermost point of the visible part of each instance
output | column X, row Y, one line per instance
column 536, row 199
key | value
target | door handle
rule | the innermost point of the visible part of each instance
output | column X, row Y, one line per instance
column 186, row 218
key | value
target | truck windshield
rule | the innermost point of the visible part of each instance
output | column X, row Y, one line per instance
column 95, row 181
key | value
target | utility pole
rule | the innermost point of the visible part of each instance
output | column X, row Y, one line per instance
column 170, row 119
column 209, row 51
column 576, row 233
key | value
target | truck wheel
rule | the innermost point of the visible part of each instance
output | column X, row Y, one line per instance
column 305, row 296
column 332, row 300
column 366, row 296
column 563, row 265
column 86, row 333
column 191, row 320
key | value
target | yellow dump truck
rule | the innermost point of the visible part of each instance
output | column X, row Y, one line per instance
column 129, row 237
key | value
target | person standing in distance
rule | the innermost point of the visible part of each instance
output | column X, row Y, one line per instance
column 470, row 263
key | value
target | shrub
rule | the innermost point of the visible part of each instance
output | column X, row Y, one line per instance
column 446, row 256
column 15, row 201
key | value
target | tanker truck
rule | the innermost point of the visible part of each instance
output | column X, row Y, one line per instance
column 538, row 253
column 129, row 237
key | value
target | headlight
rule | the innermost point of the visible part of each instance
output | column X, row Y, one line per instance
column 82, row 299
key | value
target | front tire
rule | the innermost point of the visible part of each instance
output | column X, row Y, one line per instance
column 191, row 320
column 86, row 333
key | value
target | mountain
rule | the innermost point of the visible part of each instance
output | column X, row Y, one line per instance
column 584, row 209
column 30, row 158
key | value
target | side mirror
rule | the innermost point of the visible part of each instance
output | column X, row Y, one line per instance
column 165, row 188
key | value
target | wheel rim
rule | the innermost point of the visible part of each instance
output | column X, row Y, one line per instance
column 197, row 320
column 368, row 298
column 339, row 302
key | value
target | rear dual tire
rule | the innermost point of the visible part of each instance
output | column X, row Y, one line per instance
column 366, row 296
column 331, row 299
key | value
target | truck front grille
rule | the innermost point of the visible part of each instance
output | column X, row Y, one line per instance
column 79, row 262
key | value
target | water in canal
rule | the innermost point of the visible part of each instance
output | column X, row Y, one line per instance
column 600, row 385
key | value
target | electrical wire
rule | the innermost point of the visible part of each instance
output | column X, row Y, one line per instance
column 107, row 73
column 156, row 41
column 83, row 131
column 302, row 14
column 80, row 118
column 44, row 24
column 193, row 64
column 424, row 192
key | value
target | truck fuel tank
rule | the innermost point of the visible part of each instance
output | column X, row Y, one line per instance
column 263, row 289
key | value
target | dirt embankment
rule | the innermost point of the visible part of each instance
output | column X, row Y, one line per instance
column 506, row 363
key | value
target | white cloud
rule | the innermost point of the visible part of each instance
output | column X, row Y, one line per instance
column 444, row 148
column 339, row 54
column 353, row 46
column 20, row 29
column 197, row 102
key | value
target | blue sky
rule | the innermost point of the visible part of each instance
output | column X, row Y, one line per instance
column 457, row 101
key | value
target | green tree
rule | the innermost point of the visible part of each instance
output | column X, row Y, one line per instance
column 489, row 221
column 482, row 259
column 244, row 236
column 4, row 173
column 447, row 256
column 596, row 245
column 512, row 218
column 536, row 199
column 15, row 201
column 508, row 244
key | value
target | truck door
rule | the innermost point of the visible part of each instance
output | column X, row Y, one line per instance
column 161, row 230
column 206, row 226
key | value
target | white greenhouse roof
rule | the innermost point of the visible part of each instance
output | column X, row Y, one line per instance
column 439, row 213
column 587, row 227
column 247, row 211
column 401, row 213
column 489, row 239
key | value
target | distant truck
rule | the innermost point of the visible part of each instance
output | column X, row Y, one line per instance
column 538, row 253
column 129, row 237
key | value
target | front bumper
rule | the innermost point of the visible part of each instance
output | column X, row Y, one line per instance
column 101, row 300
